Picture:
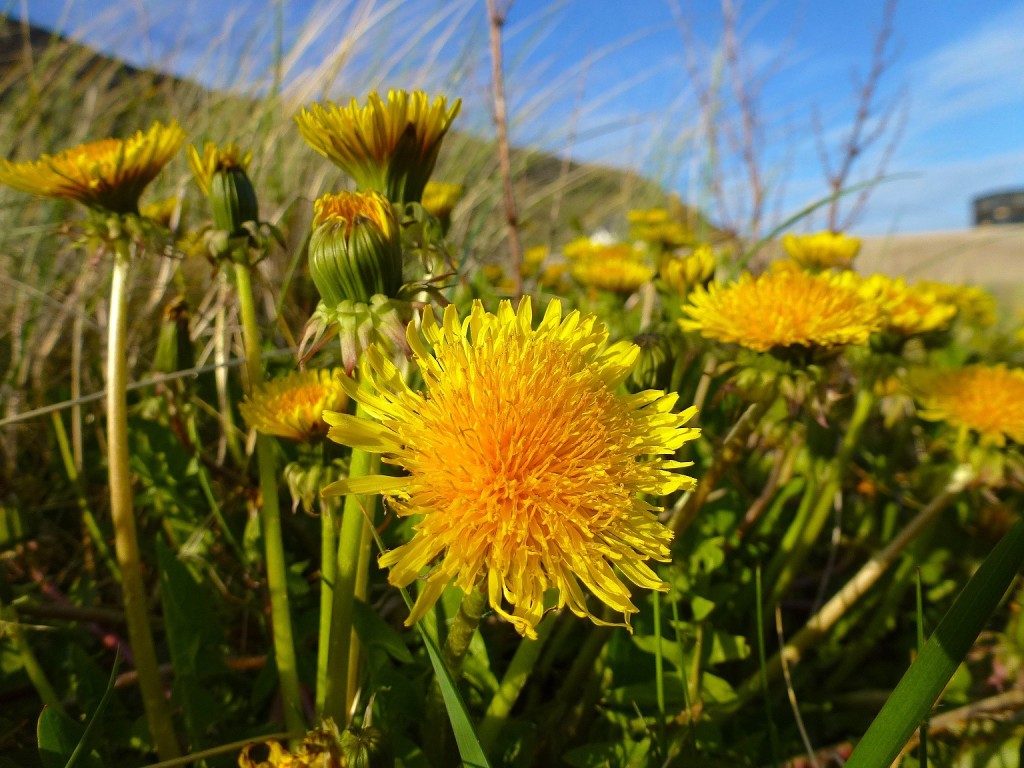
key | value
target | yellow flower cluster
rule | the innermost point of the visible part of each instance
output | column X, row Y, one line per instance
column 527, row 466
column 656, row 226
column 906, row 309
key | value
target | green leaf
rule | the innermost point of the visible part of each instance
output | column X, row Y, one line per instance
column 701, row 607
column 59, row 737
column 922, row 684
column 374, row 632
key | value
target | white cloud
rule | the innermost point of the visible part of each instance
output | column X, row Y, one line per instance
column 979, row 71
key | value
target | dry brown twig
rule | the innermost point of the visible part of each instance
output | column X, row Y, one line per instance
column 496, row 18
column 871, row 123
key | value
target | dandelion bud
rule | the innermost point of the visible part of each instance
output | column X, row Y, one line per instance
column 355, row 251
column 365, row 748
column 653, row 365
column 221, row 174
column 174, row 350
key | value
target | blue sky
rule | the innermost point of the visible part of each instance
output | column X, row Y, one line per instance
column 610, row 80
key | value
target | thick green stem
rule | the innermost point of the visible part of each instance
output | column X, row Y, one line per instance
column 270, row 519
column 515, row 677
column 126, row 545
column 356, row 511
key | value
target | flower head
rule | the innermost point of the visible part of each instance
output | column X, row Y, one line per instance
column 108, row 175
column 526, row 465
column 822, row 250
column 658, row 227
column 386, row 146
column 355, row 251
column 612, row 273
column 975, row 306
column 782, row 309
column 440, row 199
column 292, row 407
column 987, row 399
column 221, row 173
column 907, row 310
column 683, row 274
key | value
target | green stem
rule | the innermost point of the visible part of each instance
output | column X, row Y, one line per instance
column 834, row 474
column 33, row 669
column 512, row 682
column 355, row 512
column 355, row 652
column 270, row 518
column 328, row 575
column 126, row 545
column 224, row 405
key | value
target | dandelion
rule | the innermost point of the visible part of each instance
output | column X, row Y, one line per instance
column 355, row 251
column 657, row 227
column 386, row 146
column 987, row 399
column 107, row 175
column 907, row 310
column 822, row 250
column 782, row 309
column 612, row 273
column 292, row 406
column 440, row 199
column 526, row 465
column 682, row 275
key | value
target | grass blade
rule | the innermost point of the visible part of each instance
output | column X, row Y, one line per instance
column 922, row 684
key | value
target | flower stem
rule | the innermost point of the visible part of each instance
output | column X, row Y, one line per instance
column 270, row 518
column 126, row 544
column 471, row 609
column 355, row 513
column 328, row 575
column 515, row 677
column 788, row 560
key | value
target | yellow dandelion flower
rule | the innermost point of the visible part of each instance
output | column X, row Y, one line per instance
column 822, row 250
column 907, row 309
column 682, row 275
column 387, row 146
column 165, row 212
column 975, row 306
column 782, row 309
column 583, row 248
column 553, row 276
column 988, row 399
column 656, row 226
column 292, row 406
column 109, row 174
column 215, row 159
column 440, row 199
column 611, row 273
column 527, row 466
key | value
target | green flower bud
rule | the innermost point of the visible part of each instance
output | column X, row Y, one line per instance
column 221, row 174
column 365, row 748
column 356, row 250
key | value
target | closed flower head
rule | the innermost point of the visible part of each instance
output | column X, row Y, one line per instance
column 526, row 468
column 221, row 173
column 782, row 309
column 107, row 175
column 386, row 146
column 355, row 251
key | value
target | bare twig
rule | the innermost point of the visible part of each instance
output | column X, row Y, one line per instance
column 497, row 18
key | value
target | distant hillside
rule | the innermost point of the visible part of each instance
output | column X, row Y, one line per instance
column 55, row 92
